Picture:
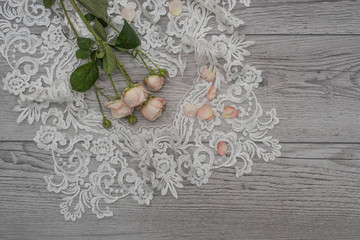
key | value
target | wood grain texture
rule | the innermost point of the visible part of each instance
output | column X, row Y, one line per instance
column 302, row 17
column 309, row 53
column 294, row 17
column 312, row 191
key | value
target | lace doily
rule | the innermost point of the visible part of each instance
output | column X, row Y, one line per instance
column 94, row 167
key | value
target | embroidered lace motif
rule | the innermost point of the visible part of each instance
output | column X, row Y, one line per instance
column 94, row 167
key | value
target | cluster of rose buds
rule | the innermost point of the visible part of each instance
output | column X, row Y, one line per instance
column 206, row 111
column 138, row 97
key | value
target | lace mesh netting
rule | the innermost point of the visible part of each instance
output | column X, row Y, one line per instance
column 94, row 167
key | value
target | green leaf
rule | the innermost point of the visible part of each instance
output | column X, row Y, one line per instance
column 97, row 7
column 100, row 30
column 109, row 60
column 99, row 62
column 103, row 23
column 85, row 43
column 127, row 39
column 90, row 17
column 84, row 77
column 48, row 3
column 82, row 54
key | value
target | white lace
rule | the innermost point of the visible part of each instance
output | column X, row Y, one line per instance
column 95, row 167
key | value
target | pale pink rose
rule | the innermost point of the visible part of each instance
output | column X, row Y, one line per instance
column 190, row 110
column 222, row 148
column 211, row 93
column 154, row 82
column 229, row 112
column 135, row 96
column 153, row 108
column 208, row 75
column 205, row 112
column 175, row 7
column 128, row 14
column 118, row 108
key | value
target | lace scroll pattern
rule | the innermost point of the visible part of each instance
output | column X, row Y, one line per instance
column 94, row 167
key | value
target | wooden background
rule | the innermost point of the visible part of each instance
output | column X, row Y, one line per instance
column 309, row 52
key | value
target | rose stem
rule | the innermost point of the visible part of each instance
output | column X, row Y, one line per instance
column 98, row 39
column 147, row 67
column 68, row 18
column 97, row 96
column 129, row 83
column 139, row 51
column 112, row 26
column 113, row 85
column 101, row 92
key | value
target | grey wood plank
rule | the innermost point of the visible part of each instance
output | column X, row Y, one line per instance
column 301, row 17
column 311, row 192
column 313, row 81
column 293, row 17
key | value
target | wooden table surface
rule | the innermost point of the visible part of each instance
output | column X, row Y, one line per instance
column 309, row 52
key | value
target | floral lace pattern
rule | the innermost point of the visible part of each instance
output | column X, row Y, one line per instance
column 94, row 167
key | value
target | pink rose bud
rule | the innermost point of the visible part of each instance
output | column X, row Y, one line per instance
column 175, row 7
column 128, row 14
column 190, row 110
column 118, row 108
column 205, row 112
column 135, row 96
column 229, row 112
column 208, row 75
column 153, row 108
column 154, row 82
column 222, row 148
column 211, row 93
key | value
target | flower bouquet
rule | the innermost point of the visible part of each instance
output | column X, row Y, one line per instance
column 99, row 53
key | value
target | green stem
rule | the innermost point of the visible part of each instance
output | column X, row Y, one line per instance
column 128, row 80
column 101, row 92
column 113, row 85
column 112, row 26
column 97, row 96
column 77, row 9
column 147, row 58
column 147, row 67
column 134, row 55
column 68, row 19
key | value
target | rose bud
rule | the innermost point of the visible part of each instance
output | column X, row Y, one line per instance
column 135, row 96
column 154, row 82
column 190, row 110
column 208, row 75
column 106, row 123
column 119, row 109
column 222, row 148
column 132, row 119
column 175, row 7
column 128, row 14
column 211, row 93
column 205, row 112
column 229, row 112
column 153, row 108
